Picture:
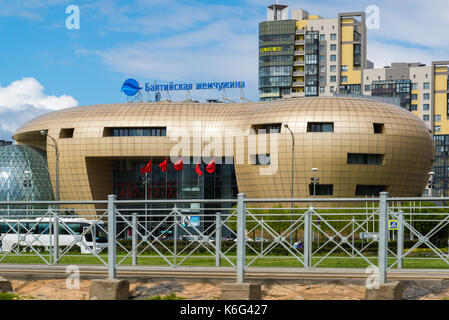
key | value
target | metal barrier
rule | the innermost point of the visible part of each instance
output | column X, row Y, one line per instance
column 240, row 233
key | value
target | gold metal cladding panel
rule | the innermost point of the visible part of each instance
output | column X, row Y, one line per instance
column 85, row 159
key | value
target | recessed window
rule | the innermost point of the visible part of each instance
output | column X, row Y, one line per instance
column 66, row 133
column 426, row 117
column 426, row 106
column 321, row 189
column 135, row 132
column 426, row 96
column 363, row 158
column 266, row 128
column 320, row 127
column 367, row 190
column 333, row 36
column 378, row 127
column 437, row 118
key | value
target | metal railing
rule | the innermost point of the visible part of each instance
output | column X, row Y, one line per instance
column 381, row 232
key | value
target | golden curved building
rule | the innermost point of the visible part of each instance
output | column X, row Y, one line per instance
column 358, row 146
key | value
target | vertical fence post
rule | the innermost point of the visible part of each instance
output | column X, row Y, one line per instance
column 134, row 239
column 55, row 237
column 218, row 239
column 112, row 230
column 175, row 236
column 383, row 237
column 241, row 237
column 400, row 240
column 308, row 238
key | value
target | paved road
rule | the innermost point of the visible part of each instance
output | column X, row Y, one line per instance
column 39, row 271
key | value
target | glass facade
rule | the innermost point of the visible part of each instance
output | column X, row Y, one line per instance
column 394, row 88
column 312, row 63
column 23, row 176
column 440, row 184
column 276, row 46
column 129, row 184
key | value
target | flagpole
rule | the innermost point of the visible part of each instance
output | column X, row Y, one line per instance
column 146, row 198
column 151, row 189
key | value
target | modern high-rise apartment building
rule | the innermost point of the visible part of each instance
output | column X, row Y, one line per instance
column 308, row 55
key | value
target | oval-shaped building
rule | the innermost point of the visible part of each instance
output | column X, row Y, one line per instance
column 358, row 147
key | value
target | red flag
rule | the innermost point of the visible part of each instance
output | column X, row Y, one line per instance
column 179, row 165
column 146, row 169
column 211, row 166
column 163, row 165
column 198, row 170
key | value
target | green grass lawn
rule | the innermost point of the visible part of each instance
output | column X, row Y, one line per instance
column 269, row 261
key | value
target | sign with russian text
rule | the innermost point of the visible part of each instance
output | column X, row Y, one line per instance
column 198, row 86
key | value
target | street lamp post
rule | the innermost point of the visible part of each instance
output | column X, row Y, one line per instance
column 55, row 146
column 431, row 174
column 314, row 179
column 293, row 177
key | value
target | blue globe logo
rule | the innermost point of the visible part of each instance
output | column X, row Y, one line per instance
column 130, row 87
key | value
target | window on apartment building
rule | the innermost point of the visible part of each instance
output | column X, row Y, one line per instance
column 414, row 96
column 322, row 47
column 426, row 85
column 333, row 36
column 426, row 96
column 322, row 37
column 414, row 86
column 367, row 78
column 367, row 87
column 426, row 117
column 322, row 69
column 333, row 68
column 322, row 58
column 414, row 107
column 333, row 47
column 321, row 89
column 333, row 57
column 322, row 79
column 426, row 107
column 333, row 79
column 344, row 68
column 344, row 79
column 437, row 129
column 437, row 118
column 332, row 89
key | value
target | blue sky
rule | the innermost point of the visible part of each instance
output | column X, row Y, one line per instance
column 44, row 66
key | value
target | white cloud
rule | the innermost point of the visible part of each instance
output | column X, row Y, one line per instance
column 25, row 99
column 29, row 92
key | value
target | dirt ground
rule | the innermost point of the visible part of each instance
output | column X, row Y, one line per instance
column 57, row 290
